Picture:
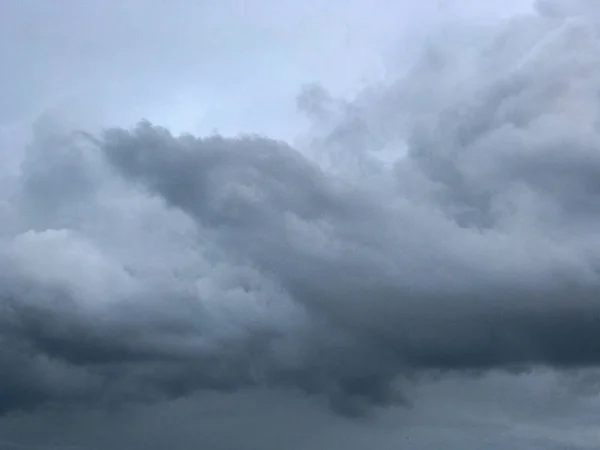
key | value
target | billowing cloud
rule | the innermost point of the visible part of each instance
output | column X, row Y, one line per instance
column 446, row 222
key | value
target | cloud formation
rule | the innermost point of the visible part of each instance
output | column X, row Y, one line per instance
column 446, row 222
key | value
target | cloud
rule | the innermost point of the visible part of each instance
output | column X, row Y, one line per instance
column 496, row 410
column 138, row 265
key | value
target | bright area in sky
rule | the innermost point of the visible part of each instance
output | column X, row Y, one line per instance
column 231, row 66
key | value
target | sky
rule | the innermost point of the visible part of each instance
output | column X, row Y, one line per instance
column 301, row 225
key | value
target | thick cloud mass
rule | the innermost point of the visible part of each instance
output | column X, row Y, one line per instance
column 445, row 222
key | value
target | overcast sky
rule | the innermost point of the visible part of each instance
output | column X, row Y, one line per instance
column 403, row 255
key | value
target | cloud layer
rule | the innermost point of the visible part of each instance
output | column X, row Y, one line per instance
column 444, row 222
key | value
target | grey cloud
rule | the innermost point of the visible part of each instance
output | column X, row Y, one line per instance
column 141, row 266
column 456, row 413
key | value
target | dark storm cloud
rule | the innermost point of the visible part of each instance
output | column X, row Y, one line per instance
column 138, row 265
